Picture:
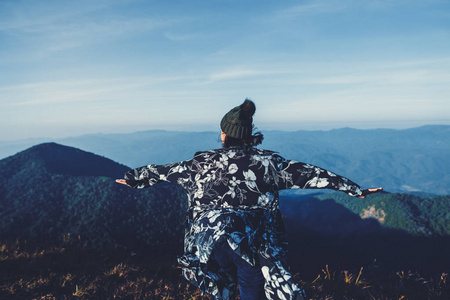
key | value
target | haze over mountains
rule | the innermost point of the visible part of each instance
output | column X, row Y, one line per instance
column 409, row 160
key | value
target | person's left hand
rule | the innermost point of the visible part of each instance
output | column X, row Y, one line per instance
column 370, row 191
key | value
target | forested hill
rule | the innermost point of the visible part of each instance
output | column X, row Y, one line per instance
column 51, row 190
column 339, row 214
column 409, row 160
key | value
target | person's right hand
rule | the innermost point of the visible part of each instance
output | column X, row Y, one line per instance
column 122, row 181
column 370, row 191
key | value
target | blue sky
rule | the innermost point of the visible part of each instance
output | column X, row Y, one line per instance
column 77, row 67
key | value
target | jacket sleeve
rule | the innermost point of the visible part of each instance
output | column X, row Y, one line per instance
column 149, row 175
column 298, row 175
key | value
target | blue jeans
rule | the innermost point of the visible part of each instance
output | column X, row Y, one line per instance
column 250, row 278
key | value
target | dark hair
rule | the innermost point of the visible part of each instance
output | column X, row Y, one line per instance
column 253, row 140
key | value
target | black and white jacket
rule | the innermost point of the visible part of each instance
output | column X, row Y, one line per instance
column 233, row 197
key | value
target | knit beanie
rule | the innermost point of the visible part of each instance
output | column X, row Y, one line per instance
column 238, row 122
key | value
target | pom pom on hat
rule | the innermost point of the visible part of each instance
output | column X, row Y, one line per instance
column 238, row 122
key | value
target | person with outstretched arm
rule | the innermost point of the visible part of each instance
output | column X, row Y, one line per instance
column 234, row 234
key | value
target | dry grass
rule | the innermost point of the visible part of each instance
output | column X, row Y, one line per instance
column 73, row 271
column 377, row 284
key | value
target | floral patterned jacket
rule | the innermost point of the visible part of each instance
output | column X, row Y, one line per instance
column 233, row 197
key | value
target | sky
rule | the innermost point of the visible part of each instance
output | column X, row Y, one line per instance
column 69, row 68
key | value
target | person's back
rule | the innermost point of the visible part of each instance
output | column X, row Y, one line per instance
column 235, row 176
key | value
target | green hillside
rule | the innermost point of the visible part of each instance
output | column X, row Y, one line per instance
column 412, row 214
column 50, row 190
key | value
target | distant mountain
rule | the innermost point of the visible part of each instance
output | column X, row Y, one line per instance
column 51, row 190
column 133, row 149
column 410, row 160
column 53, row 158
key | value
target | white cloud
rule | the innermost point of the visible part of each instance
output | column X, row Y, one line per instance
column 180, row 37
column 237, row 73
column 85, row 90
column 306, row 9
column 25, row 15
column 312, row 8
column 422, row 77
column 52, row 29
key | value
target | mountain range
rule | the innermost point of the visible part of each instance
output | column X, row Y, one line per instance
column 409, row 160
column 50, row 191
